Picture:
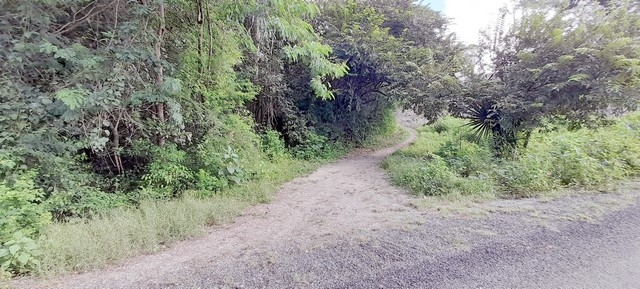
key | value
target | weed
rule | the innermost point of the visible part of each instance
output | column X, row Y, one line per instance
column 446, row 160
column 117, row 234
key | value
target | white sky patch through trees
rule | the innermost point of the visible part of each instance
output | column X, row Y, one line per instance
column 469, row 17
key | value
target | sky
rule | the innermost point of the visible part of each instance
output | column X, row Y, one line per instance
column 468, row 17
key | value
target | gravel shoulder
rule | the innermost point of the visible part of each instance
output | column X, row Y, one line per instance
column 346, row 226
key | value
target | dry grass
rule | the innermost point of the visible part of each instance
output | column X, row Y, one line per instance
column 113, row 236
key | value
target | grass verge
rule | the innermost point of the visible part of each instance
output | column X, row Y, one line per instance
column 446, row 160
column 84, row 244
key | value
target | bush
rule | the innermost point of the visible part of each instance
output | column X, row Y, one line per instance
column 21, row 208
column 434, row 177
column 22, row 217
column 167, row 173
column 19, row 254
column 85, row 201
column 465, row 158
column 318, row 147
column 527, row 176
column 573, row 165
column 273, row 145
column 446, row 159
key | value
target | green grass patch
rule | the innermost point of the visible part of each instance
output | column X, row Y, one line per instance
column 386, row 139
column 447, row 160
column 83, row 244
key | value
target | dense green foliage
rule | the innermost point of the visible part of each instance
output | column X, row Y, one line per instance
column 448, row 159
column 125, row 112
column 108, row 104
column 575, row 61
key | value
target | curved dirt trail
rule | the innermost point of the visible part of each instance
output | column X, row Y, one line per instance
column 345, row 226
column 341, row 199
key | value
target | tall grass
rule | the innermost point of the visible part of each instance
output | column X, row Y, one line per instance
column 446, row 159
column 124, row 233
column 115, row 235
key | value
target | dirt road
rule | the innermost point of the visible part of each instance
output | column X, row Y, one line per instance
column 345, row 226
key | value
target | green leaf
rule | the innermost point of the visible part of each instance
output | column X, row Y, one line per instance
column 66, row 53
column 24, row 258
column 14, row 249
column 579, row 77
column 72, row 98
column 557, row 35
column 171, row 86
column 564, row 59
column 47, row 47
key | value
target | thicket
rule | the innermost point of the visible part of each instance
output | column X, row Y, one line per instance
column 576, row 62
column 571, row 65
column 108, row 106
column 448, row 158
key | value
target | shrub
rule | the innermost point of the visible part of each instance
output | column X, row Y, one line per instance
column 273, row 145
column 434, row 177
column 21, row 208
column 167, row 172
column 465, row 158
column 447, row 159
column 22, row 217
column 318, row 147
column 430, row 178
column 528, row 175
column 19, row 254
column 573, row 165
column 85, row 201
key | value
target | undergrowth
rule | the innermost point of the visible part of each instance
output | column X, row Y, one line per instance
column 447, row 159
column 82, row 244
column 113, row 235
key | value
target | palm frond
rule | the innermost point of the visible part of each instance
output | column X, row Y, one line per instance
column 483, row 120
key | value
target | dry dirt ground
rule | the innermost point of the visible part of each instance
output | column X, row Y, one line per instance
column 346, row 226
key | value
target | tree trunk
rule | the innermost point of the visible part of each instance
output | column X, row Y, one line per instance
column 200, row 20
column 210, row 52
column 527, row 136
column 160, row 76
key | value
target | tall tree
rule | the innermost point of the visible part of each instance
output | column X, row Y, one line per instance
column 580, row 65
column 397, row 51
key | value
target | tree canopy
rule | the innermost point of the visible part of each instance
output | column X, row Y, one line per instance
column 576, row 62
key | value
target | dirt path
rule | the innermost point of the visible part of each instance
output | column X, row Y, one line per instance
column 340, row 199
column 345, row 226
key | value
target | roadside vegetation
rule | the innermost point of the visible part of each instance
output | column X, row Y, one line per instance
column 124, row 232
column 128, row 125
column 448, row 159
column 539, row 109
column 113, row 235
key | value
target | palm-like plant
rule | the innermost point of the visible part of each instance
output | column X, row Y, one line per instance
column 486, row 119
